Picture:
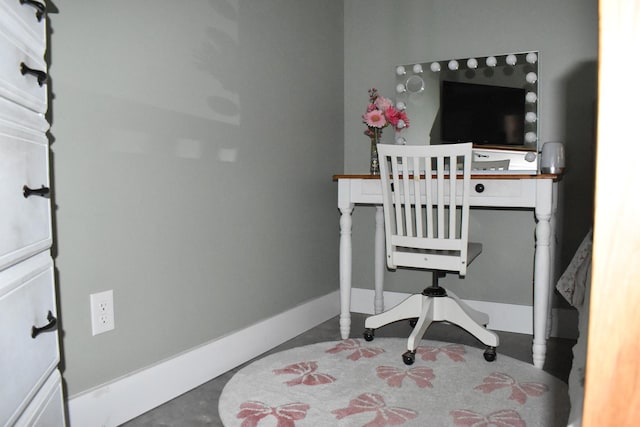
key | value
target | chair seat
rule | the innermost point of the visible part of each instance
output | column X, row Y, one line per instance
column 473, row 250
column 447, row 260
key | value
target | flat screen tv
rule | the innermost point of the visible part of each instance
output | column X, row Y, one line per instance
column 482, row 114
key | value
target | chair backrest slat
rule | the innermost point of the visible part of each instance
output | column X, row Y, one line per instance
column 418, row 206
column 453, row 161
column 399, row 223
column 406, row 190
column 440, row 194
column 429, row 198
column 424, row 208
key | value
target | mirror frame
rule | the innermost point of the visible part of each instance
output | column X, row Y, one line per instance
column 422, row 104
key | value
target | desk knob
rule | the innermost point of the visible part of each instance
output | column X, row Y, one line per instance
column 479, row 188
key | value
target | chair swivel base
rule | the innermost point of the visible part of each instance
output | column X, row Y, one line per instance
column 428, row 309
column 409, row 356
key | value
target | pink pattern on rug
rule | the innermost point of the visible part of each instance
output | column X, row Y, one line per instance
column 519, row 391
column 287, row 414
column 503, row 418
column 454, row 351
column 307, row 374
column 371, row 402
column 394, row 377
column 357, row 349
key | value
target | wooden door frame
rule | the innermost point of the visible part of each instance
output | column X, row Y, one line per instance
column 612, row 391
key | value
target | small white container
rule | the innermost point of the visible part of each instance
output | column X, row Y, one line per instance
column 552, row 159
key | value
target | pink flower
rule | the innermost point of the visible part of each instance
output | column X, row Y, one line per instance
column 369, row 133
column 398, row 119
column 383, row 103
column 380, row 113
column 375, row 118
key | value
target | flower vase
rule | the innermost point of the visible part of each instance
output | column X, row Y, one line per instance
column 374, row 167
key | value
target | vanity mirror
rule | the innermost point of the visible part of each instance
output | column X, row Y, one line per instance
column 491, row 101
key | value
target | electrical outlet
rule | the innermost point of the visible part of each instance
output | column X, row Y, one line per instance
column 102, row 314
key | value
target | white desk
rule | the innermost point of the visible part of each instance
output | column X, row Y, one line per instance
column 537, row 192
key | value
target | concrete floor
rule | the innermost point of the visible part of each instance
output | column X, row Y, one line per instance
column 199, row 407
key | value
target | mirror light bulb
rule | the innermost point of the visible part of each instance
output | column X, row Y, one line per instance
column 400, row 70
column 530, row 137
column 532, row 58
column 417, row 68
column 401, row 124
column 435, row 67
column 472, row 63
column 531, row 97
column 400, row 88
column 453, row 65
column 530, row 117
column 401, row 141
column 492, row 61
column 531, row 77
column 511, row 59
column 401, row 106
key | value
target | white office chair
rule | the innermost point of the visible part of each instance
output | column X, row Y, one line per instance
column 427, row 228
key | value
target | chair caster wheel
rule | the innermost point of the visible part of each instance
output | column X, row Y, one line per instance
column 368, row 334
column 413, row 322
column 409, row 357
column 490, row 354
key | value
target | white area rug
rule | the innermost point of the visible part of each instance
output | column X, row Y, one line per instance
column 359, row 383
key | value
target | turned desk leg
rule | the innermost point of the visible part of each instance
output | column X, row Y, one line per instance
column 553, row 253
column 542, row 268
column 378, row 301
column 345, row 270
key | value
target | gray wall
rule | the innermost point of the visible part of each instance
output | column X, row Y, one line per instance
column 194, row 144
column 152, row 97
column 380, row 34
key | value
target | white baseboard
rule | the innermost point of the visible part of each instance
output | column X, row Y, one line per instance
column 125, row 398
column 504, row 317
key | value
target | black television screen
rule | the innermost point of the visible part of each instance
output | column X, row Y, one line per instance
column 482, row 114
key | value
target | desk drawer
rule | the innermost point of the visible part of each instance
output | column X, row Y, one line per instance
column 503, row 192
column 26, row 297
column 22, row 42
column 515, row 193
column 25, row 224
column 47, row 408
column 20, row 116
column 22, row 19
